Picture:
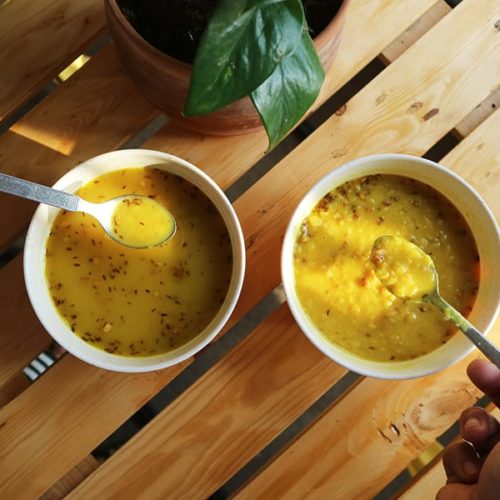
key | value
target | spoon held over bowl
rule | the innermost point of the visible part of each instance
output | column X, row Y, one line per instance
column 409, row 273
column 133, row 220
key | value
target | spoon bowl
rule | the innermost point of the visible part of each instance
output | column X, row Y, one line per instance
column 132, row 220
column 410, row 274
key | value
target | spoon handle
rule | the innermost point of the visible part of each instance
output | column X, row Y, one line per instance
column 37, row 192
column 481, row 342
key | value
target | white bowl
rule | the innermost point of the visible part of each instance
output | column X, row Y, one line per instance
column 34, row 260
column 479, row 219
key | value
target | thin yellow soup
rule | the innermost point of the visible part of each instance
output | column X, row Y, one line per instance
column 142, row 222
column 336, row 282
column 140, row 302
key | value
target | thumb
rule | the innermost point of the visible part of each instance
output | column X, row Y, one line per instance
column 489, row 479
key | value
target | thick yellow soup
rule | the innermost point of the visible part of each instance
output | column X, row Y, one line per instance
column 336, row 281
column 140, row 302
column 403, row 267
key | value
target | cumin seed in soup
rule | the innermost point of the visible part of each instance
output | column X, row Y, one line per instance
column 336, row 282
column 140, row 302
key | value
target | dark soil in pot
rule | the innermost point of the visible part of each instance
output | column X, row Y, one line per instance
column 176, row 26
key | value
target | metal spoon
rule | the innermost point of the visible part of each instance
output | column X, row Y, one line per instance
column 428, row 291
column 103, row 212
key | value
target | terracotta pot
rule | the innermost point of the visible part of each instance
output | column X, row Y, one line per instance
column 165, row 80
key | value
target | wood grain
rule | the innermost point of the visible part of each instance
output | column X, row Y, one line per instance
column 478, row 114
column 403, row 417
column 414, row 32
column 382, row 117
column 21, row 335
column 98, row 109
column 222, row 421
column 130, row 395
column 430, row 411
column 55, row 423
column 428, row 484
column 72, row 479
column 38, row 39
column 95, row 111
column 381, row 426
column 226, row 158
column 86, row 119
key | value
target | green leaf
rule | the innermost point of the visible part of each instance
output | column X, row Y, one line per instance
column 244, row 42
column 289, row 92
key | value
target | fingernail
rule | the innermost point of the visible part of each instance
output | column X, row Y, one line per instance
column 471, row 423
column 470, row 469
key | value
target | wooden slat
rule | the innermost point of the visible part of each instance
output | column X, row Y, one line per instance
column 38, row 39
column 73, row 407
column 380, row 426
column 376, row 429
column 56, row 122
column 95, row 111
column 479, row 114
column 21, row 335
column 132, row 394
column 132, row 457
column 415, row 32
column 75, row 122
column 380, row 118
column 428, row 484
column 166, row 437
column 98, row 109
column 362, row 40
column 72, row 479
column 222, row 421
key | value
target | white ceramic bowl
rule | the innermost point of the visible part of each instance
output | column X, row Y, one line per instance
column 484, row 229
column 34, row 260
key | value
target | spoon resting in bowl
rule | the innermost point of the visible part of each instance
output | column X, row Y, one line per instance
column 133, row 220
column 409, row 273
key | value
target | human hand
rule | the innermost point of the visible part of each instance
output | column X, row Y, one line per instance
column 473, row 465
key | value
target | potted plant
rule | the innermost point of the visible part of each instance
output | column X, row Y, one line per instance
column 228, row 66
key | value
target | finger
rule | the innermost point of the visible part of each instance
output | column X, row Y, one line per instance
column 461, row 463
column 486, row 377
column 480, row 428
column 489, row 482
column 456, row 492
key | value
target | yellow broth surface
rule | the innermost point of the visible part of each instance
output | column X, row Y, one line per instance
column 336, row 282
column 140, row 302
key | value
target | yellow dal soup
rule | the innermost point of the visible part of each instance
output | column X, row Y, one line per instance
column 336, row 283
column 140, row 302
column 404, row 268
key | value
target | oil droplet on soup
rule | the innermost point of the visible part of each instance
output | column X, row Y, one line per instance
column 336, row 283
column 404, row 269
column 140, row 302
column 142, row 222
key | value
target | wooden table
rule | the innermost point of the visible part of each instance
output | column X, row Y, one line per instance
column 441, row 80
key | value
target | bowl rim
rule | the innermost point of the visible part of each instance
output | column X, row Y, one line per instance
column 377, row 369
column 34, row 271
